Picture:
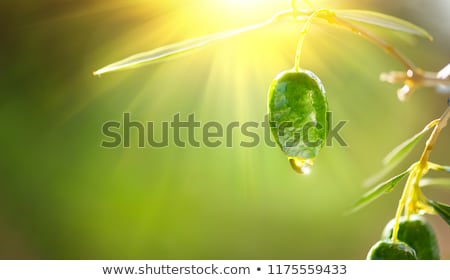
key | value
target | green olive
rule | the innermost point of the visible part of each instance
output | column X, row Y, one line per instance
column 416, row 232
column 388, row 250
column 298, row 114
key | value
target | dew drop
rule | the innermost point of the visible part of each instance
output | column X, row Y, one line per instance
column 301, row 166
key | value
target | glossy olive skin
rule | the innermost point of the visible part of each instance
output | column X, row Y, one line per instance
column 388, row 250
column 416, row 232
column 297, row 106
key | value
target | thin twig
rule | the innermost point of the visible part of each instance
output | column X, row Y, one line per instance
column 388, row 48
column 443, row 120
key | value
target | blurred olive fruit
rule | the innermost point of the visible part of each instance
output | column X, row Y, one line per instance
column 388, row 250
column 298, row 114
column 416, row 232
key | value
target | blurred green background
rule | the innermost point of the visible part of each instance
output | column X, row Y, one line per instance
column 63, row 196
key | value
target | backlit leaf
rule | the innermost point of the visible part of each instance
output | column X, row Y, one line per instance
column 402, row 150
column 377, row 191
column 434, row 182
column 176, row 49
column 439, row 167
column 383, row 20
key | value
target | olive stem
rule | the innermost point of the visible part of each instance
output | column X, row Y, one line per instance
column 294, row 7
column 402, row 203
column 413, row 194
column 303, row 33
column 442, row 122
column 309, row 4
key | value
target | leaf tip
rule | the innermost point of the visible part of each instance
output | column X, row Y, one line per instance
column 441, row 209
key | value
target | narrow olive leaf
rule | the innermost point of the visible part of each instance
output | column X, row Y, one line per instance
column 377, row 191
column 386, row 21
column 402, row 150
column 377, row 177
column 444, row 73
column 444, row 76
column 434, row 182
column 442, row 209
column 444, row 168
column 438, row 167
column 176, row 49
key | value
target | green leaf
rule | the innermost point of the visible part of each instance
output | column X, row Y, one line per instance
column 377, row 191
column 176, row 49
column 383, row 20
column 402, row 150
column 434, row 182
column 377, row 177
column 442, row 209
column 439, row 167
column 444, row 168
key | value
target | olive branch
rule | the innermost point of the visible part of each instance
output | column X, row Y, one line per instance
column 412, row 200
